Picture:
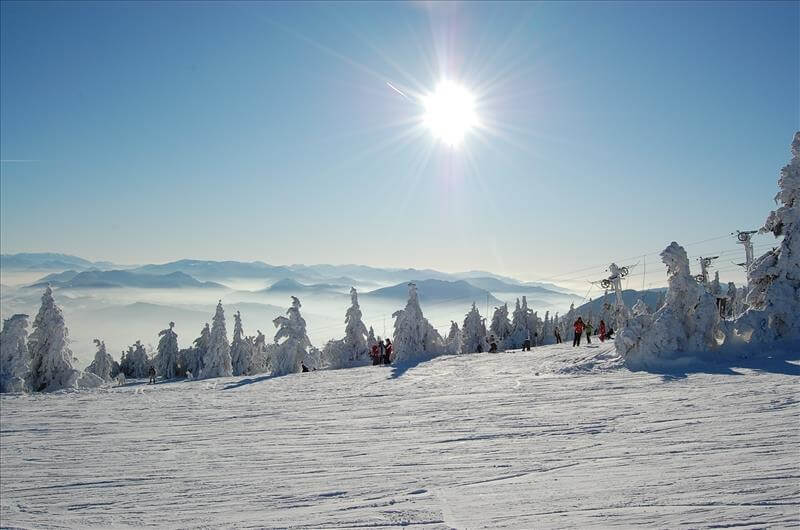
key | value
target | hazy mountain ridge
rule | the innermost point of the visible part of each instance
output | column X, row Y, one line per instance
column 118, row 278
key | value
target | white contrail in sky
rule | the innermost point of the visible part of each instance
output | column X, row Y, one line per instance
column 397, row 90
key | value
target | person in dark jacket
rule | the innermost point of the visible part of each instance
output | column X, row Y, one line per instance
column 601, row 331
column 303, row 367
column 387, row 356
column 557, row 333
column 492, row 344
column 152, row 376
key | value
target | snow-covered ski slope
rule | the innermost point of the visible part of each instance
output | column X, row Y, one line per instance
column 467, row 442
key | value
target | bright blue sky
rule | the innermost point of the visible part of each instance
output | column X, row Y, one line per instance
column 266, row 131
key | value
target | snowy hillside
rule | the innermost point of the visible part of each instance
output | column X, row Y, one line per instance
column 557, row 437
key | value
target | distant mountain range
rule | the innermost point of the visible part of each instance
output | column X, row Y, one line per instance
column 437, row 291
column 629, row 296
column 49, row 261
column 115, row 278
column 303, row 278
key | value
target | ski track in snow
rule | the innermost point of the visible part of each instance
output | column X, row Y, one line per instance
column 464, row 442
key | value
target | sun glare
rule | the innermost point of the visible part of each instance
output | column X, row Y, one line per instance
column 450, row 112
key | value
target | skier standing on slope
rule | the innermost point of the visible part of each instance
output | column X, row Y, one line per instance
column 557, row 333
column 589, row 330
column 578, row 325
column 387, row 357
column 492, row 344
column 375, row 354
column 602, row 331
column 152, row 376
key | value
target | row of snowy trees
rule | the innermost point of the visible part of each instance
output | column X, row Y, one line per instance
column 766, row 311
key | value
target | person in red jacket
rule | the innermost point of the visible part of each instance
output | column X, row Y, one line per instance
column 602, row 331
column 578, row 332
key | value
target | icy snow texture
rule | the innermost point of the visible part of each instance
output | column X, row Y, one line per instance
column 640, row 308
column 288, row 355
column 414, row 337
column 14, row 359
column 103, row 363
column 51, row 358
column 687, row 322
column 467, row 441
column 166, row 361
column 774, row 278
column 352, row 350
column 217, row 360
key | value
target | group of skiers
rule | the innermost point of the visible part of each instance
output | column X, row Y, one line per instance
column 603, row 332
column 381, row 352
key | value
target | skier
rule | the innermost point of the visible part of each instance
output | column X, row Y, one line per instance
column 492, row 344
column 589, row 330
column 304, row 367
column 375, row 354
column 535, row 339
column 578, row 325
column 387, row 357
column 152, row 376
column 557, row 333
column 602, row 331
column 610, row 333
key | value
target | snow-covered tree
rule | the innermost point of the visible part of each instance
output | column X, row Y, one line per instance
column 715, row 287
column 292, row 341
column 241, row 348
column 500, row 326
column 352, row 350
column 371, row 337
column 453, row 340
column 51, row 358
column 217, row 360
column 547, row 330
column 473, row 334
column 168, row 356
column 414, row 336
column 192, row 358
column 774, row 278
column 135, row 362
column 640, row 308
column 733, row 303
column 103, row 364
column 259, row 362
column 687, row 322
column 14, row 359
column 520, row 325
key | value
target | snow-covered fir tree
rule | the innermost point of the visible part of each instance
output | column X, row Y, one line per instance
column 14, row 359
column 103, row 364
column 715, row 287
column 500, row 326
column 51, row 359
column 168, row 355
column 687, row 322
column 774, row 278
column 136, row 363
column 192, row 358
column 371, row 337
column 732, row 303
column 259, row 362
column 352, row 350
column 547, row 330
column 241, row 348
column 473, row 333
column 292, row 341
column 453, row 341
column 520, row 325
column 217, row 360
column 414, row 336
column 640, row 308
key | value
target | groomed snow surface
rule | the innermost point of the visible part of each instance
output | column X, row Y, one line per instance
column 555, row 437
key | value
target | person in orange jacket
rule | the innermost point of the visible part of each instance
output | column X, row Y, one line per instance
column 578, row 325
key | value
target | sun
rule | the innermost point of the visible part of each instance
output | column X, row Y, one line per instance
column 450, row 112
